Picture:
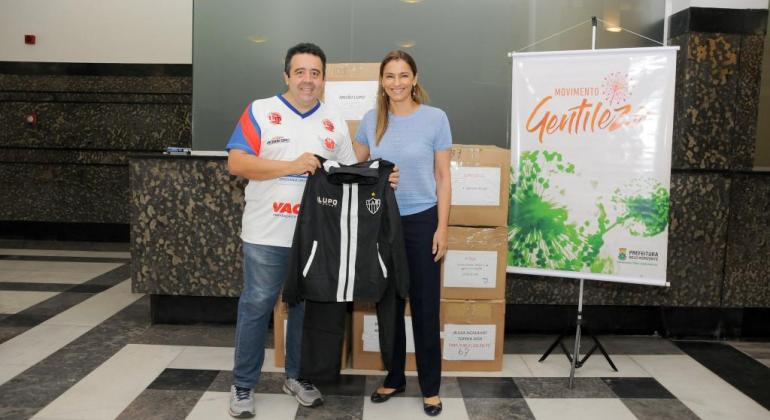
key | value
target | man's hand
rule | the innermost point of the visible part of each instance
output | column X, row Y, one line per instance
column 394, row 177
column 305, row 163
column 440, row 242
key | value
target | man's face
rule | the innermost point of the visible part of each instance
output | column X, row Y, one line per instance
column 305, row 80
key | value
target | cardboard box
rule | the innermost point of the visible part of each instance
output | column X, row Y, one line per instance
column 475, row 340
column 352, row 71
column 350, row 80
column 473, row 335
column 480, row 182
column 366, row 349
column 474, row 266
column 280, row 317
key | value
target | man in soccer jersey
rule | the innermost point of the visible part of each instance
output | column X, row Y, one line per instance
column 274, row 146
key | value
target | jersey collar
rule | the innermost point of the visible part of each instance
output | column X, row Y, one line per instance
column 296, row 111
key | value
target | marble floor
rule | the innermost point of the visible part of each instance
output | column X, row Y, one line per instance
column 75, row 343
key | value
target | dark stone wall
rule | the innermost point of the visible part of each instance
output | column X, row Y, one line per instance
column 185, row 224
column 186, row 216
column 747, row 263
column 718, row 78
column 63, row 192
column 72, row 166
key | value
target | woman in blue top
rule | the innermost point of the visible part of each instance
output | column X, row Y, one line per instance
column 415, row 136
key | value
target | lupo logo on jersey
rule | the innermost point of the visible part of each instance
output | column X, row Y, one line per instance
column 329, row 143
column 281, row 208
column 326, row 201
column 329, row 125
column 274, row 118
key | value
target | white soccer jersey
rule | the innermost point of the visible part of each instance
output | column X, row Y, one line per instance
column 273, row 129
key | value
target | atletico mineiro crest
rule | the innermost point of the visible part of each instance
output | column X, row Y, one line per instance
column 373, row 204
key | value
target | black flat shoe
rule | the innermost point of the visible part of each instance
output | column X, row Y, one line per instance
column 381, row 398
column 432, row 410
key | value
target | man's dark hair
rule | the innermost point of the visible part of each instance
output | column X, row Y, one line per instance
column 304, row 48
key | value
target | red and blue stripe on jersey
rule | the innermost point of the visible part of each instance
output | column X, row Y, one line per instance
column 247, row 135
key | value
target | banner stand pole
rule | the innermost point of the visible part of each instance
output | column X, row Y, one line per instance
column 579, row 320
column 574, row 358
column 578, row 324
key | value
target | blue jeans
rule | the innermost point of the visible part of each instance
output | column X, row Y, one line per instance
column 264, row 268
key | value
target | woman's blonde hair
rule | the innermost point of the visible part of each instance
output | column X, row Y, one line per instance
column 419, row 94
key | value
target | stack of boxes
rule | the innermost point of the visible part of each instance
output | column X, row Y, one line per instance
column 473, row 271
column 472, row 274
column 473, row 298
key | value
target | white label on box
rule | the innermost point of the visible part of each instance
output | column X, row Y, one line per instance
column 371, row 335
column 352, row 99
column 475, row 186
column 469, row 342
column 470, row 269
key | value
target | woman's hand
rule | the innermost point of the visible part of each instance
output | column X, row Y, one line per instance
column 394, row 177
column 440, row 243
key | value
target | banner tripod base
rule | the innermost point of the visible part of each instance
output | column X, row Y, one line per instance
column 574, row 358
column 597, row 345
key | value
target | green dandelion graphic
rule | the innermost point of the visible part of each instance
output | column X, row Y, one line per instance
column 541, row 233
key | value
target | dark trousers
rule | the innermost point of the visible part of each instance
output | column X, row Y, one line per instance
column 424, row 300
column 323, row 332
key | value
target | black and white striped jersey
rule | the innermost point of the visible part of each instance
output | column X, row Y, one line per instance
column 348, row 243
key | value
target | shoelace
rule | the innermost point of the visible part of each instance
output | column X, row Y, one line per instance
column 242, row 393
column 306, row 385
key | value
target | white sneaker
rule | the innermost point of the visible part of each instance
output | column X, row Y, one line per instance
column 241, row 402
column 304, row 391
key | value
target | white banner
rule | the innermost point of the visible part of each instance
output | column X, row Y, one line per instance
column 591, row 164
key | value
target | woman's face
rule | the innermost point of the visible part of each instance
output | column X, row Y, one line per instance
column 398, row 81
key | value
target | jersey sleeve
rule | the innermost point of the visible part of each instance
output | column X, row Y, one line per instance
column 247, row 135
column 346, row 155
column 443, row 140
